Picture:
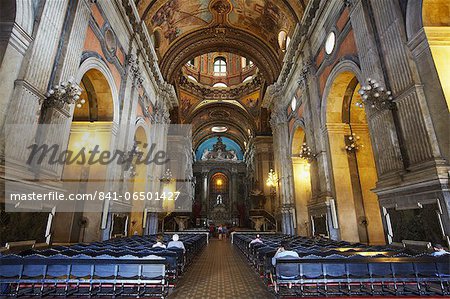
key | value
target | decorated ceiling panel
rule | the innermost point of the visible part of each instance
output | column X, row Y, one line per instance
column 169, row 20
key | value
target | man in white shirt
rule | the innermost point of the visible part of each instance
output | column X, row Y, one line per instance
column 439, row 250
column 283, row 251
column 176, row 243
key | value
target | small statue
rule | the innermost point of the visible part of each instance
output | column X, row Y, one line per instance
column 219, row 199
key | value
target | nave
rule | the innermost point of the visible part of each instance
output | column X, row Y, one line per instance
column 247, row 266
column 220, row 271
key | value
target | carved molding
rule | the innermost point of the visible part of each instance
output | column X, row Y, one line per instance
column 219, row 38
column 231, row 93
column 135, row 70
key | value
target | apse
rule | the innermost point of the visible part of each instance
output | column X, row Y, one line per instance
column 209, row 145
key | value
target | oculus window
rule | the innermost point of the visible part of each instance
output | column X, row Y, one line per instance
column 330, row 43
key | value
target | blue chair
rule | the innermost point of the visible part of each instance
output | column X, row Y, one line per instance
column 287, row 270
column 335, row 270
column 312, row 270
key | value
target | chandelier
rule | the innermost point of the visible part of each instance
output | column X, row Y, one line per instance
column 306, row 153
column 376, row 96
column 272, row 179
column 167, row 177
column 353, row 143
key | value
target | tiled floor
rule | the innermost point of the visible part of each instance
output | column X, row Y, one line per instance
column 220, row 271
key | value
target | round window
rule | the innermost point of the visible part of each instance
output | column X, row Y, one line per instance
column 330, row 43
column 110, row 40
column 294, row 104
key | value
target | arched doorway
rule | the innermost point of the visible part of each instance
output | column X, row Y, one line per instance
column 352, row 161
column 138, row 183
column 91, row 128
column 302, row 182
column 219, row 198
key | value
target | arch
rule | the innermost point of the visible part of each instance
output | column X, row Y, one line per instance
column 208, row 40
column 138, row 182
column 99, row 65
column 298, row 137
column 301, row 179
column 432, row 18
column 350, row 70
column 96, row 98
column 358, row 211
column 426, row 13
column 100, row 132
column 16, row 13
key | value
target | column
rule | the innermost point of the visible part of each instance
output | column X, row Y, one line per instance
column 31, row 86
column 234, row 189
column 205, row 200
column 388, row 154
column 283, row 167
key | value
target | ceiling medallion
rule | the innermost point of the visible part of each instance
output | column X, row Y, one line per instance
column 221, row 7
column 222, row 114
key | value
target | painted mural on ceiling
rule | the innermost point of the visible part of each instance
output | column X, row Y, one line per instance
column 262, row 17
column 174, row 18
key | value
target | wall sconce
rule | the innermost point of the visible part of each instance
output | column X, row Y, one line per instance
column 306, row 153
column 353, row 143
column 376, row 96
column 129, row 157
column 65, row 93
column 167, row 177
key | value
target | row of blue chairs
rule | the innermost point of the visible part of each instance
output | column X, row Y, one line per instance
column 97, row 269
column 346, row 270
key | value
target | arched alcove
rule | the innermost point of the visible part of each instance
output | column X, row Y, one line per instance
column 91, row 128
column 302, row 182
column 353, row 171
column 436, row 23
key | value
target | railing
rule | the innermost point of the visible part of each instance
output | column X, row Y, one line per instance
column 263, row 213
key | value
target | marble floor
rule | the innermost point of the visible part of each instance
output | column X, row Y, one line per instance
column 220, row 271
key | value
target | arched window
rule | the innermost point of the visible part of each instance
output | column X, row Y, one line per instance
column 249, row 78
column 245, row 62
column 282, row 36
column 191, row 62
column 294, row 104
column 220, row 66
column 220, row 84
column 192, row 78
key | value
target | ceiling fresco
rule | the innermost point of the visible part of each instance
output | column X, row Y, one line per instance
column 172, row 19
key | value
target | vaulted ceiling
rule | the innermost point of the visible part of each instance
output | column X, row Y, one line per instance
column 183, row 29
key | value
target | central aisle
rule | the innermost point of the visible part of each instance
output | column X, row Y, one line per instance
column 220, row 271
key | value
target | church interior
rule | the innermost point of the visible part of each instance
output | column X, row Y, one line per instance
column 224, row 148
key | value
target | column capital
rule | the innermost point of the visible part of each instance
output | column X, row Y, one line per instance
column 161, row 113
column 278, row 116
column 307, row 69
column 134, row 70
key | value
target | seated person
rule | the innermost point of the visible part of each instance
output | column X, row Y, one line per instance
column 439, row 250
column 256, row 240
column 176, row 243
column 159, row 242
column 284, row 251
